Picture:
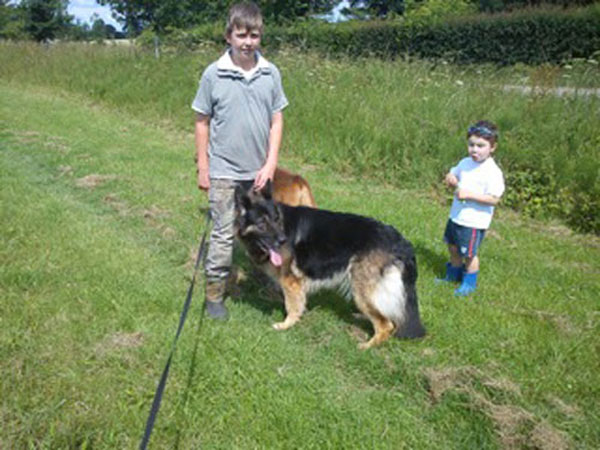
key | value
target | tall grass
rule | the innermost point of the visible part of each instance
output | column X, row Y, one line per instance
column 403, row 123
column 93, row 275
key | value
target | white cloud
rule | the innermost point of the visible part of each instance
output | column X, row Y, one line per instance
column 84, row 9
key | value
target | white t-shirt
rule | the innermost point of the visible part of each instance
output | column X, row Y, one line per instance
column 481, row 178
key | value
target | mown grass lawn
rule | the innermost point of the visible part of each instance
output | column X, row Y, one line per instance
column 100, row 221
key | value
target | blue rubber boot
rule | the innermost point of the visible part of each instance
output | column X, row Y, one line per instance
column 453, row 274
column 468, row 285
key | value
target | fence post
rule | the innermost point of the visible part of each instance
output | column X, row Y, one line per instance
column 156, row 47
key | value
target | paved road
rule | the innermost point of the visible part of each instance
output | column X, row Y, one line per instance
column 559, row 91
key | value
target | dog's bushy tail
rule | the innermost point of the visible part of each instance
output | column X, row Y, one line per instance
column 411, row 328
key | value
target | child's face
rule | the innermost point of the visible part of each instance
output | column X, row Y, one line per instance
column 244, row 43
column 479, row 148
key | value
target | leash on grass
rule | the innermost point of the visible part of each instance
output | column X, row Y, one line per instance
column 163, row 379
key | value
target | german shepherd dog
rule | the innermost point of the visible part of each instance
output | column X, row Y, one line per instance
column 304, row 249
column 289, row 188
column 292, row 189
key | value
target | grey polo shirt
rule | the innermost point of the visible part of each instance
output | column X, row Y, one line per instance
column 240, row 107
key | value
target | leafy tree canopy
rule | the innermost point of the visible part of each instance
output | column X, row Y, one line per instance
column 12, row 22
column 44, row 19
column 159, row 15
column 376, row 8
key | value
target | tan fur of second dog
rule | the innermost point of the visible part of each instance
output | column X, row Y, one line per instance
column 292, row 189
column 289, row 188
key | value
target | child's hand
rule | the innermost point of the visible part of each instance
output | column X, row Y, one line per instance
column 486, row 199
column 451, row 180
column 462, row 194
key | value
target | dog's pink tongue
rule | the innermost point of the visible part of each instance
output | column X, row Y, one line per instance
column 276, row 259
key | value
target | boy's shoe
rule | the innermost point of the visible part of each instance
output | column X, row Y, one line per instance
column 215, row 300
column 468, row 285
column 453, row 274
column 217, row 310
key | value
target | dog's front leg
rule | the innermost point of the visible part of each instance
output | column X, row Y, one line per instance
column 295, row 301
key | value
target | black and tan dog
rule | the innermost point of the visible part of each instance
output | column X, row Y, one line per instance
column 291, row 189
column 305, row 249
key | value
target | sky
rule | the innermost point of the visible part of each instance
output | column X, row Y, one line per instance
column 83, row 10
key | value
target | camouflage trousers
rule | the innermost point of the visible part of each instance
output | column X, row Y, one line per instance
column 221, row 199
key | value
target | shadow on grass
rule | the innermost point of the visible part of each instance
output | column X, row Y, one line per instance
column 427, row 258
column 263, row 294
column 260, row 292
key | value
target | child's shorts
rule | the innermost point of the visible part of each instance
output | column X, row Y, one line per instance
column 468, row 240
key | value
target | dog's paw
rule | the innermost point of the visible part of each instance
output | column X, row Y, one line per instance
column 280, row 326
column 287, row 323
column 365, row 345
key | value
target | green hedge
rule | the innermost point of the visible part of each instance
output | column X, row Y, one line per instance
column 531, row 36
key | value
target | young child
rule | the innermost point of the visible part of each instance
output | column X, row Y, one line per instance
column 239, row 124
column 478, row 183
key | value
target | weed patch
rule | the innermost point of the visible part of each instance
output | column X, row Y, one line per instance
column 93, row 180
column 516, row 427
column 120, row 341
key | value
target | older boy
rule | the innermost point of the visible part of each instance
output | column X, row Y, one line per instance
column 238, row 131
column 478, row 183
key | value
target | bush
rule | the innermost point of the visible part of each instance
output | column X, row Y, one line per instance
column 535, row 193
column 531, row 37
column 527, row 36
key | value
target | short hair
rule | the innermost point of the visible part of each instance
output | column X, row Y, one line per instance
column 245, row 15
column 484, row 129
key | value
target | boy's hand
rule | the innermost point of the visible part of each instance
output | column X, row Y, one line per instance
column 203, row 180
column 263, row 175
column 451, row 180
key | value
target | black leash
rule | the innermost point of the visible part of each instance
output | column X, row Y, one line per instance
column 163, row 379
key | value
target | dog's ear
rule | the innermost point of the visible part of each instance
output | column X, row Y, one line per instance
column 242, row 202
column 267, row 190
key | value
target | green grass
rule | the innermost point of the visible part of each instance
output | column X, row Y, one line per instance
column 401, row 123
column 93, row 278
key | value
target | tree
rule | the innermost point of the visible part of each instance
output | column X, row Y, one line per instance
column 288, row 10
column 12, row 21
column 98, row 30
column 45, row 19
column 78, row 31
column 136, row 15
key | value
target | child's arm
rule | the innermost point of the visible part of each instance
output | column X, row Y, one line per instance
column 268, row 170
column 202, row 130
column 486, row 199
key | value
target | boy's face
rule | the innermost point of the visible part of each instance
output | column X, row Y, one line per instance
column 244, row 43
column 480, row 149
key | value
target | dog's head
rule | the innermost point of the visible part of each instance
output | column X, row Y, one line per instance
column 259, row 224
